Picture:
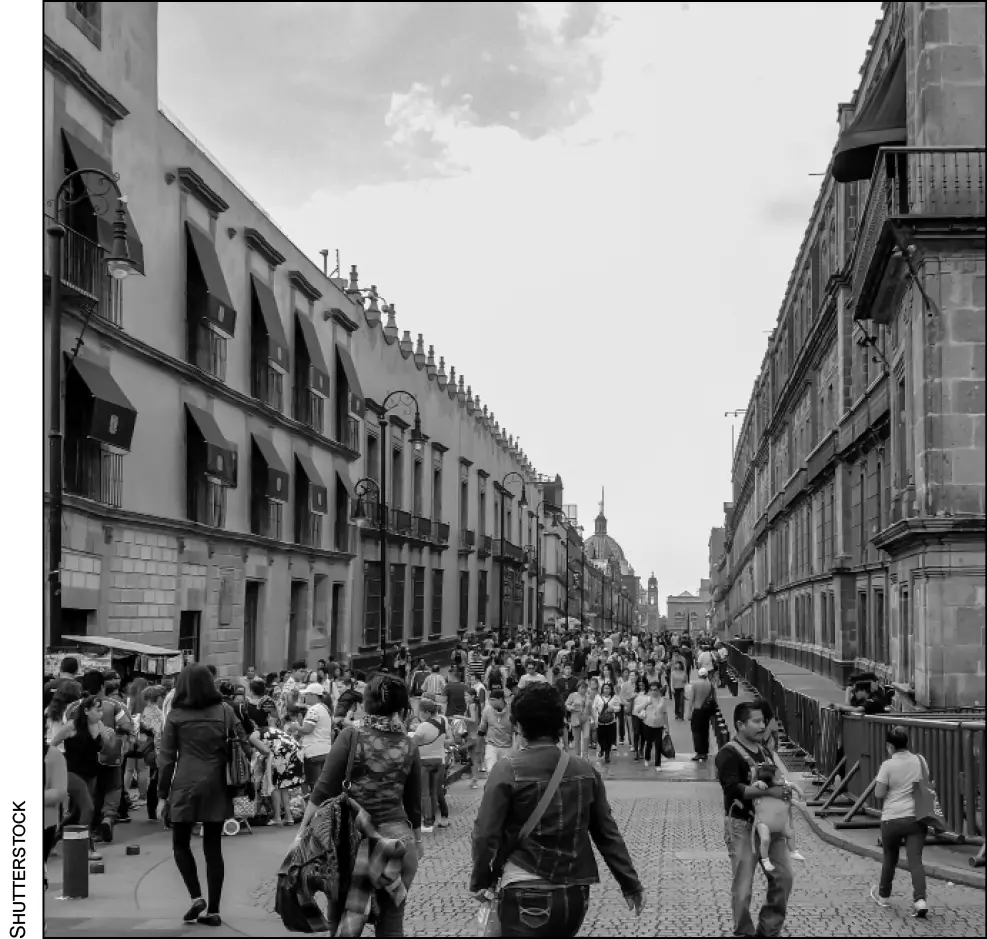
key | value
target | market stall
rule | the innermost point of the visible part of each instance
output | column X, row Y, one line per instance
column 130, row 659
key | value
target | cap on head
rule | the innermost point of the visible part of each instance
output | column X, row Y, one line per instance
column 315, row 688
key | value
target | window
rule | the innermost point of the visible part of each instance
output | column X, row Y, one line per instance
column 863, row 638
column 437, row 492
column 373, row 457
column 905, row 635
column 464, row 503
column 416, row 485
column 878, row 494
column 267, row 384
column 464, row 599
column 881, row 651
column 482, row 598
column 371, row 603
column 437, row 602
column 189, row 628
column 418, row 602
column 207, row 350
column 88, row 17
column 824, row 615
column 481, row 519
column 396, row 623
column 397, row 477
column 267, row 517
column 862, row 515
column 92, row 469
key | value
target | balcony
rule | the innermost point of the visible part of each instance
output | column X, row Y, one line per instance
column 421, row 528
column 349, row 435
column 506, row 550
column 310, row 409
column 485, row 548
column 344, row 538
column 467, row 541
column 400, row 522
column 441, row 533
column 925, row 192
column 207, row 350
column 93, row 471
column 84, row 276
column 308, row 529
column 267, row 385
column 266, row 518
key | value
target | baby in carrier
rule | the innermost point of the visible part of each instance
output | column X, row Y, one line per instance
column 773, row 816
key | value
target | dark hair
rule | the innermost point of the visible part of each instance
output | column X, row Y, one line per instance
column 195, row 688
column 301, row 663
column 60, row 702
column 154, row 693
column 212, row 670
column 898, row 737
column 226, row 688
column 742, row 712
column 257, row 686
column 70, row 665
column 92, row 682
column 385, row 695
column 539, row 712
column 87, row 703
column 764, row 708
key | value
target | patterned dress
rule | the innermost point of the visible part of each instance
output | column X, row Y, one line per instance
column 285, row 769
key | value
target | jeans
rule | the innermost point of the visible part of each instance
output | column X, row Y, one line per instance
column 390, row 921
column 621, row 716
column 679, row 694
column 896, row 832
column 699, row 722
column 212, row 848
column 313, row 769
column 433, row 791
column 109, row 791
column 80, row 800
column 527, row 909
column 652, row 740
column 607, row 734
column 743, row 861
column 638, row 726
column 492, row 754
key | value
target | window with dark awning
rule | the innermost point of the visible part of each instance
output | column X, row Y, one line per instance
column 219, row 456
column 110, row 417
column 275, row 478
column 880, row 123
column 209, row 297
column 318, row 372
column 85, row 158
column 277, row 342
column 347, row 486
column 357, row 404
column 317, row 492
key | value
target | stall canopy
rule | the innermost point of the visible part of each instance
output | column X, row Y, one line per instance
column 122, row 645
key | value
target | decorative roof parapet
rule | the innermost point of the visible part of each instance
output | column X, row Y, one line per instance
column 406, row 345
column 451, row 389
column 420, row 357
column 430, row 369
column 441, row 378
column 192, row 182
column 257, row 242
column 340, row 317
column 301, row 283
column 391, row 328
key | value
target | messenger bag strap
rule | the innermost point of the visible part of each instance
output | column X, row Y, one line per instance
column 549, row 794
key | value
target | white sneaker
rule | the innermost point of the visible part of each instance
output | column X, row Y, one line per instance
column 647, row 763
column 879, row 900
column 427, row 829
column 921, row 909
column 657, row 769
column 797, row 856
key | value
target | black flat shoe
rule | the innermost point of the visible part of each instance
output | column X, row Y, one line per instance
column 194, row 911
column 210, row 919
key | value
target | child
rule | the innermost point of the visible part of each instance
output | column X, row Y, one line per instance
column 472, row 721
column 773, row 816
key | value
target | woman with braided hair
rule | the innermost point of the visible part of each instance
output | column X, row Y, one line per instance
column 385, row 781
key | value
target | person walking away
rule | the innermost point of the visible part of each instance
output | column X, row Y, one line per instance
column 579, row 707
column 496, row 730
column 476, row 667
column 734, row 770
column 546, row 876
column 432, row 736
column 401, row 660
column 896, row 781
column 385, row 781
column 435, row 686
column 605, row 709
column 638, row 704
column 416, row 684
column 473, row 756
column 135, row 764
column 192, row 779
column 316, row 731
column 654, row 723
column 677, row 682
column 722, row 655
column 456, row 694
column 150, row 726
column 700, row 703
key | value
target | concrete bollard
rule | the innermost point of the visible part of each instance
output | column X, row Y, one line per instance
column 96, row 867
column 75, row 862
column 133, row 849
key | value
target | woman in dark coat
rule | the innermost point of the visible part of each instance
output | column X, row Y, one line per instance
column 192, row 778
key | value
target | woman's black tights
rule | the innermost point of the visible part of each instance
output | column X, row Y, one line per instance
column 212, row 848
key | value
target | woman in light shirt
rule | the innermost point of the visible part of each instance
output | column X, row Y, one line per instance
column 638, row 703
column 654, row 717
column 606, row 707
column 579, row 708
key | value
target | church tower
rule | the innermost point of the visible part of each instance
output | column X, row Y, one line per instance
column 652, row 621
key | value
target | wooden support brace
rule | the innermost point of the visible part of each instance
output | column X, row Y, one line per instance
column 817, row 798
column 827, row 807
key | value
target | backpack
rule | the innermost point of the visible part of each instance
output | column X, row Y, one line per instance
column 496, row 679
column 417, row 680
column 606, row 716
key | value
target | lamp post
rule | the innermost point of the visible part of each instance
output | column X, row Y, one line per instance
column 407, row 399
column 118, row 266
column 523, row 503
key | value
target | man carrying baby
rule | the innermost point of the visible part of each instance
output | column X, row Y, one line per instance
column 740, row 788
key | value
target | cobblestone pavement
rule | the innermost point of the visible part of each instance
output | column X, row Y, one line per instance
column 674, row 832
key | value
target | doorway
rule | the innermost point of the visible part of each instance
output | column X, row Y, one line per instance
column 251, row 610
column 335, row 614
column 296, row 621
column 189, row 626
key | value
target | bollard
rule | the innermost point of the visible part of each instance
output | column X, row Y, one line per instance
column 75, row 862
column 96, row 867
column 133, row 849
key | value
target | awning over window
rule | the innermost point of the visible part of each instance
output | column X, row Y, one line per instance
column 275, row 477
column 220, row 453
column 880, row 123
column 216, row 307
column 277, row 342
column 318, row 373
column 344, row 481
column 357, row 404
column 112, row 417
column 85, row 158
column 317, row 493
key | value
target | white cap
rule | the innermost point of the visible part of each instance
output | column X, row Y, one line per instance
column 315, row 688
column 703, row 673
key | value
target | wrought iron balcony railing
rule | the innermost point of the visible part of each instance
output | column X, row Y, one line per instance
column 84, row 274
column 93, row 471
column 308, row 529
column 400, row 522
column 467, row 540
column 422, row 527
column 266, row 518
column 923, row 186
column 310, row 409
column 440, row 532
column 485, row 547
column 267, row 385
column 349, row 435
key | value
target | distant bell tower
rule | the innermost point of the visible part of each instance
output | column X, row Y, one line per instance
column 652, row 613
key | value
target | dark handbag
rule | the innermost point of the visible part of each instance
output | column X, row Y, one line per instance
column 667, row 746
column 928, row 811
column 238, row 779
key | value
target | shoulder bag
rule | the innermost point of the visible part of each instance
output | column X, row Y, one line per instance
column 488, row 917
column 928, row 811
column 238, row 779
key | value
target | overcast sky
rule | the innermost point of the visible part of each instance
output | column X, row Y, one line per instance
column 592, row 210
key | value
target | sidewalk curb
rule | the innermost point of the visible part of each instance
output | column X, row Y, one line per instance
column 956, row 875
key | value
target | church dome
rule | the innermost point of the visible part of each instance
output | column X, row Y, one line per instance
column 602, row 547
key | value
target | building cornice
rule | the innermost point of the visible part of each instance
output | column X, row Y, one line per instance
column 194, row 184
column 257, row 242
column 71, row 69
column 307, row 289
column 441, row 447
column 338, row 316
column 930, row 531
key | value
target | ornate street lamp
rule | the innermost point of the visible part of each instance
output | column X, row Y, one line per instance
column 118, row 266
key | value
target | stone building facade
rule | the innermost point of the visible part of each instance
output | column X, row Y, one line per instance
column 856, row 534
column 224, row 407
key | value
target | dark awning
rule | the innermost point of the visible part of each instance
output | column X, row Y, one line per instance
column 344, row 481
column 357, row 404
column 86, row 158
column 880, row 123
column 317, row 492
column 318, row 373
column 218, row 307
column 276, row 474
column 277, row 342
column 220, row 453
column 113, row 416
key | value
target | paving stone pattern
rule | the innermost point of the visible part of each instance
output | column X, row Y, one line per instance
column 674, row 832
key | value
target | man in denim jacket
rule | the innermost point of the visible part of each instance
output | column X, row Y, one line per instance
column 546, row 879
